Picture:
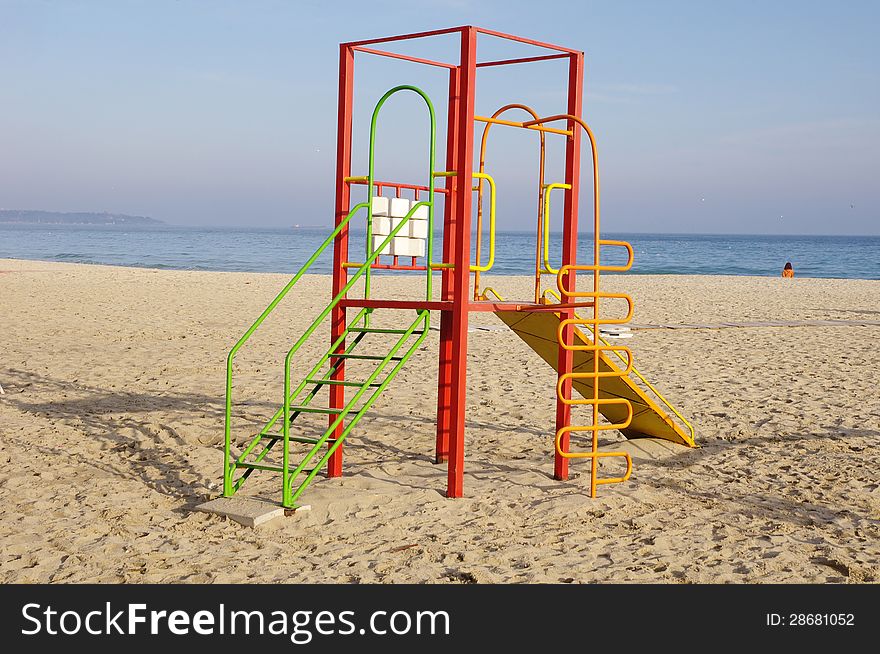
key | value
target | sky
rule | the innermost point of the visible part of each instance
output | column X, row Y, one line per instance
column 722, row 117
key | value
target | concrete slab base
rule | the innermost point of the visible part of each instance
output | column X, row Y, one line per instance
column 248, row 511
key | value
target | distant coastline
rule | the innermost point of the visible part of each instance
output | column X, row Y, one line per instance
column 33, row 217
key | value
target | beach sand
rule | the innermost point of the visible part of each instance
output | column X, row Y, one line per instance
column 111, row 432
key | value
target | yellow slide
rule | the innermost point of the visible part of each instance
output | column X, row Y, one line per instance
column 538, row 329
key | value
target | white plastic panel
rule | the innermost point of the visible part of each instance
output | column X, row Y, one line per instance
column 381, row 225
column 377, row 241
column 408, row 247
column 380, row 205
column 417, row 247
column 404, row 230
column 399, row 207
column 421, row 213
column 418, row 228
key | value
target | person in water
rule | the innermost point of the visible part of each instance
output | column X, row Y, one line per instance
column 787, row 270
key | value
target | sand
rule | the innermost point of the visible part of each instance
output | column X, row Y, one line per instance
column 111, row 433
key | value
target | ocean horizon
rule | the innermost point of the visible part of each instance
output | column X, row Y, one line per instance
column 284, row 250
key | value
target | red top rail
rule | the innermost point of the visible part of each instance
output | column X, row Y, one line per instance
column 359, row 45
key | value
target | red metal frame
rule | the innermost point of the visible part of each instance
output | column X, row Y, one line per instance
column 340, row 247
column 444, row 364
column 569, row 248
column 454, row 303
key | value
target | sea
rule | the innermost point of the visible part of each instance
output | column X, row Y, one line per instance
column 285, row 250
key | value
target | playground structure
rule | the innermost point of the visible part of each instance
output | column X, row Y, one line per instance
column 400, row 236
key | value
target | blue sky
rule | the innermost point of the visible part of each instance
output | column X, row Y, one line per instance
column 723, row 117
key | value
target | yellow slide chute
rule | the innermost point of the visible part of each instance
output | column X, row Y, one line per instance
column 539, row 330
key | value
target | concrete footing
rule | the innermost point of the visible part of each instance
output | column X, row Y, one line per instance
column 247, row 511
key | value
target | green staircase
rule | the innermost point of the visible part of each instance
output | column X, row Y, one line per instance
column 353, row 397
column 301, row 401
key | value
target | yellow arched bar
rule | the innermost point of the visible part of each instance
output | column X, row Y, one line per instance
column 482, row 164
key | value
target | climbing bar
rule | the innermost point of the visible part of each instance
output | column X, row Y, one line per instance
column 595, row 455
column 603, row 348
column 571, row 376
column 511, row 123
column 599, row 321
column 591, row 428
column 597, row 426
column 274, row 438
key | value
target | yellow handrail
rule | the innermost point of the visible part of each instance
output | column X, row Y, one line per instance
column 635, row 371
column 549, row 187
column 488, row 266
column 489, row 289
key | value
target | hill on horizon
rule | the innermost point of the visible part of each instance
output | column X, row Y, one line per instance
column 33, row 217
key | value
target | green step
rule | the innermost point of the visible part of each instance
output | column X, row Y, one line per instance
column 371, row 357
column 304, row 439
column 308, row 409
column 293, row 439
column 339, row 382
column 376, row 330
column 256, row 466
column 322, row 409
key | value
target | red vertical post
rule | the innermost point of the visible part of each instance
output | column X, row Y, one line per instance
column 464, row 167
column 444, row 367
column 569, row 243
column 340, row 247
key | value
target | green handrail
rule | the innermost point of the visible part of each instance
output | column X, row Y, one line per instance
column 370, row 177
column 227, row 470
